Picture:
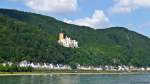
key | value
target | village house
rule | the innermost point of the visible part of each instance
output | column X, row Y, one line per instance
column 43, row 65
column 148, row 68
column 7, row 63
column 51, row 66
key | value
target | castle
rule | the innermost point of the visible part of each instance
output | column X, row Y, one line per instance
column 67, row 41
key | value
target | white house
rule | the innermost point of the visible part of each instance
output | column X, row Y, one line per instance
column 24, row 64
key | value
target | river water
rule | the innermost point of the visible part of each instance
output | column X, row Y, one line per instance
column 143, row 78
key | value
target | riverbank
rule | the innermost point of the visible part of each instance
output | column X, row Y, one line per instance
column 60, row 73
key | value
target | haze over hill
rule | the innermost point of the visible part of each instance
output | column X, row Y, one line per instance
column 33, row 37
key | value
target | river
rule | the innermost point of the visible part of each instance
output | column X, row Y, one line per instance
column 141, row 78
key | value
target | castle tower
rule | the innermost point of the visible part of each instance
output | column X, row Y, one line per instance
column 61, row 36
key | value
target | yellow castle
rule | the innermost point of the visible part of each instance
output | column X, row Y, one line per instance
column 67, row 41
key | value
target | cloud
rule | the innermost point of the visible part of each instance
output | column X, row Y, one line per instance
column 97, row 20
column 126, row 6
column 54, row 6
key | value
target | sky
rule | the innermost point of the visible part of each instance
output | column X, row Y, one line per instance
column 98, row 14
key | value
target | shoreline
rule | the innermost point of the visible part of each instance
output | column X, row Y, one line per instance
column 42, row 73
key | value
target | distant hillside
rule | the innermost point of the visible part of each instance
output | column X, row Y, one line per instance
column 33, row 37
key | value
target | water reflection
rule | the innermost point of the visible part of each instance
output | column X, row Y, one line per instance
column 65, row 79
column 77, row 79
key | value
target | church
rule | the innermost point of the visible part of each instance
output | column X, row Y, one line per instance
column 67, row 41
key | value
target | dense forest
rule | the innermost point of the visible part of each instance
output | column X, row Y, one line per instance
column 33, row 37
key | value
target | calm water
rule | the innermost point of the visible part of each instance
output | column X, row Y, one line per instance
column 77, row 79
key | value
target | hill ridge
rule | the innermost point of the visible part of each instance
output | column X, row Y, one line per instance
column 33, row 37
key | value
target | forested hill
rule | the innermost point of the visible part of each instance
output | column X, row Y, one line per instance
column 33, row 37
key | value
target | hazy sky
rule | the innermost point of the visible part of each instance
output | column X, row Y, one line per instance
column 99, row 14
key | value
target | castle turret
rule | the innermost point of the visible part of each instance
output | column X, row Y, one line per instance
column 61, row 36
